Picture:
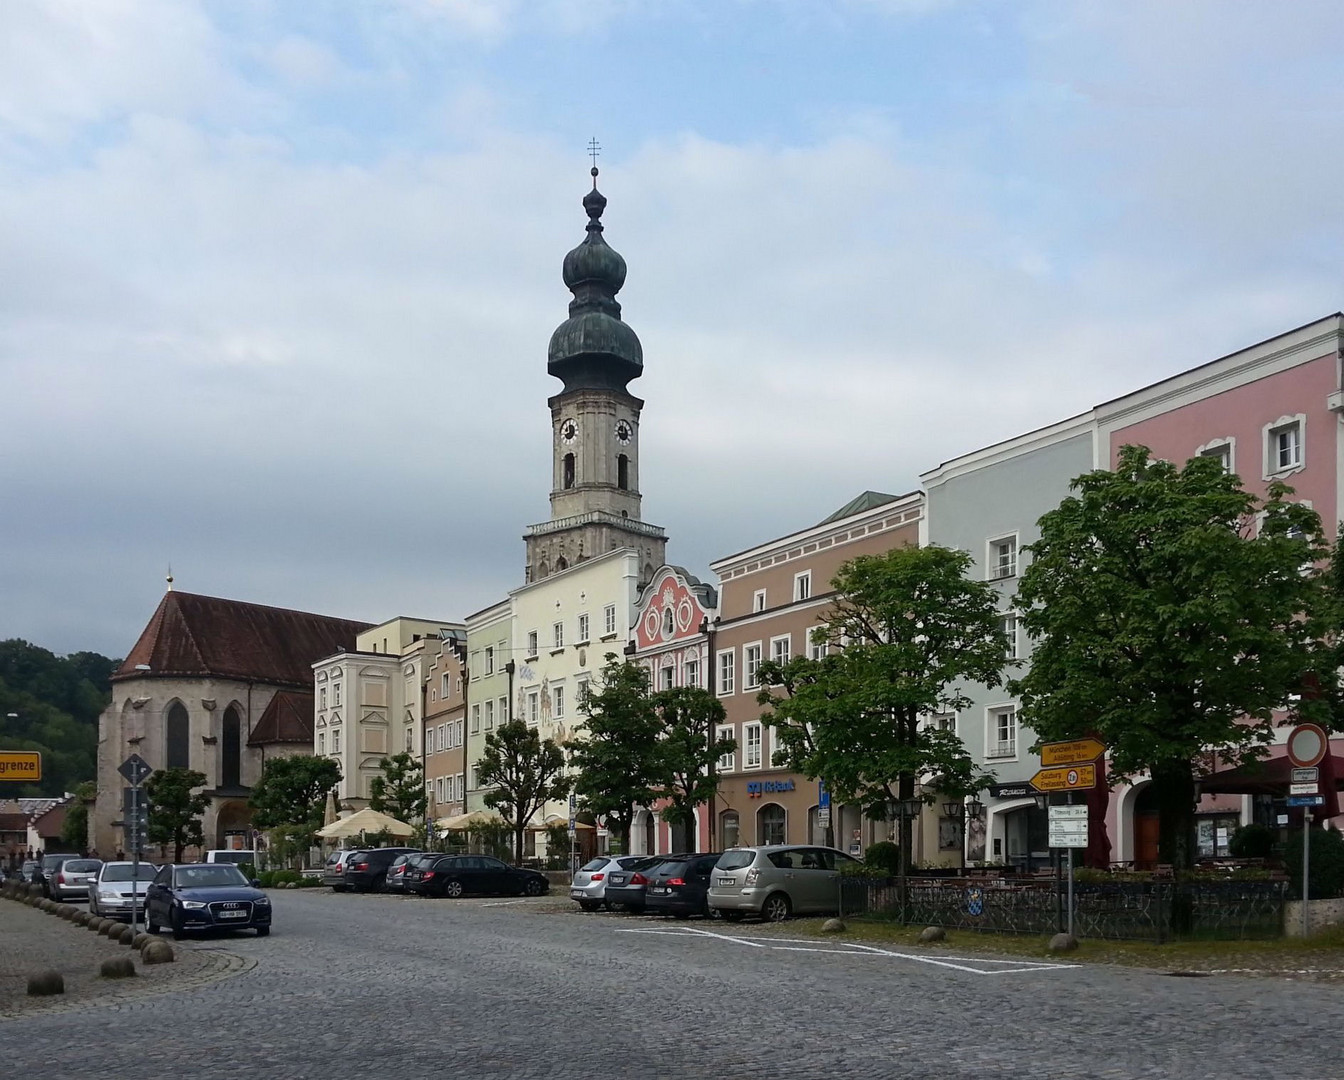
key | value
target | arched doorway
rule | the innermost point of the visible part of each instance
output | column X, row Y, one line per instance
column 233, row 826
column 231, row 750
column 730, row 826
column 771, row 824
column 177, row 737
column 1146, row 828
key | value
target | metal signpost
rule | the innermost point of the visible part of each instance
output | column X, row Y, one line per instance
column 1068, row 830
column 136, row 770
column 1307, row 747
column 573, row 834
column 1068, row 766
column 1070, row 778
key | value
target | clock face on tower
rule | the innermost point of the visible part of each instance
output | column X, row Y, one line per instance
column 569, row 431
column 624, row 432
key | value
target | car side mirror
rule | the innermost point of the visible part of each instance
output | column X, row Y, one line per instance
column 255, row 883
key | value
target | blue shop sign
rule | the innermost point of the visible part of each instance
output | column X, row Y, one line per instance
column 757, row 788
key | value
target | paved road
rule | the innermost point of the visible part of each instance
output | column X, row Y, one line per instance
column 373, row 986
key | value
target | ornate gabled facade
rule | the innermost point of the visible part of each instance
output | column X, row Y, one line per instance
column 595, row 499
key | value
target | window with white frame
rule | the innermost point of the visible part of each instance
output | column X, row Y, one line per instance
column 1003, row 558
column 475, row 719
column 1222, row 451
column 336, row 741
column 533, row 708
column 503, row 710
column 944, row 722
column 531, row 644
column 446, row 686
column 1008, row 628
column 489, row 660
column 321, row 743
column 818, row 646
column 583, row 628
column 609, row 617
column 336, row 694
column 780, row 647
column 440, row 793
column 489, row 715
column 758, row 600
column 727, row 672
column 410, row 739
column 1284, row 449
column 726, row 761
column 1001, row 741
column 471, row 778
column 558, row 635
column 441, row 736
column 322, row 698
column 692, row 672
column 665, row 677
column 751, row 746
column 581, row 690
column 751, row 666
column 557, row 702
column 778, row 758
column 802, row 585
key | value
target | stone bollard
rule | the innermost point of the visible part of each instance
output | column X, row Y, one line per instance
column 108, row 926
column 833, row 926
column 95, row 924
column 46, row 983
column 81, row 918
column 157, row 952
column 125, row 934
column 140, row 940
column 1063, row 943
column 66, row 912
column 118, row 967
column 932, row 933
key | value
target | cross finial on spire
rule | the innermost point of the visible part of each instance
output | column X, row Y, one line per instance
column 169, row 579
column 594, row 149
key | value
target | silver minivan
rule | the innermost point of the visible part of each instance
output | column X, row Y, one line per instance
column 776, row 881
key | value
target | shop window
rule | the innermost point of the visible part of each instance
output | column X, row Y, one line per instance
column 729, row 829
column 770, row 822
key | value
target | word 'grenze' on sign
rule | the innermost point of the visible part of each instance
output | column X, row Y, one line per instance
column 20, row 765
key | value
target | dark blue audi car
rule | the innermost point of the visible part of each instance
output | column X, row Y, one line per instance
column 205, row 896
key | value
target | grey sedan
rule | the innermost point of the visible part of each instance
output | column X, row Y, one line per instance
column 589, row 886
column 115, row 890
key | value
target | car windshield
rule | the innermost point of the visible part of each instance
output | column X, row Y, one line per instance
column 235, row 857
column 53, row 861
column 735, row 860
column 124, row 872
column 210, row 875
column 30, row 864
column 672, row 869
column 649, row 863
column 594, row 864
column 80, row 866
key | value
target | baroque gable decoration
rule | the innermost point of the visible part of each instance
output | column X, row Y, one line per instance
column 671, row 608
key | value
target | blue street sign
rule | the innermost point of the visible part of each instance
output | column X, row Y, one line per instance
column 823, row 796
column 1306, row 800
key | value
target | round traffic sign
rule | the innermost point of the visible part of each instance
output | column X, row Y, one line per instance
column 1307, row 745
column 1073, row 778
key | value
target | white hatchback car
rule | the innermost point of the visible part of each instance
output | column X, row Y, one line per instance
column 589, row 886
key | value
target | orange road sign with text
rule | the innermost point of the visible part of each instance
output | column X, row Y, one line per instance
column 1072, row 752
column 20, row 765
column 1067, row 778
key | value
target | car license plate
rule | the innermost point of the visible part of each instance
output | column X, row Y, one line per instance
column 725, row 881
column 659, row 889
column 233, row 914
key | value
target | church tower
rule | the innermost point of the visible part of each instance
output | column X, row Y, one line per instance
column 594, row 420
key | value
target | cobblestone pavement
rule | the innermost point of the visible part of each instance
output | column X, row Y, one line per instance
column 358, row 986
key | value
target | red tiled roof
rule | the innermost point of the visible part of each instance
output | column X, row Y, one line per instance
column 13, row 823
column 192, row 635
column 287, row 719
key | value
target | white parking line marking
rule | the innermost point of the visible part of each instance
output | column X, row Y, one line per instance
column 505, row 903
column 854, row 948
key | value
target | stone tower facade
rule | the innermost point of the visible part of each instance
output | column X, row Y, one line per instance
column 595, row 499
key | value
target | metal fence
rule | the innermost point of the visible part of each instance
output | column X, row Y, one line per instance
column 1132, row 911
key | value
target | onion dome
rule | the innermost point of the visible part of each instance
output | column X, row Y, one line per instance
column 593, row 348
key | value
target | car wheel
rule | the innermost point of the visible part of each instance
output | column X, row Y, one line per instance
column 452, row 889
column 711, row 913
column 175, row 921
column 263, row 931
column 590, row 905
column 534, row 887
column 731, row 916
column 776, row 907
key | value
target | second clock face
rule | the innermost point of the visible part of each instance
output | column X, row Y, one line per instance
column 624, row 432
column 569, row 431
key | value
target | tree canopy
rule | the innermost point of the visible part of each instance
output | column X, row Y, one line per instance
column 907, row 628
column 686, row 752
column 524, row 773
column 1172, row 614
column 174, row 810
column 400, row 790
column 292, row 792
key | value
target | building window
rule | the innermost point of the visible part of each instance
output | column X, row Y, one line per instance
column 532, row 644
column 321, row 743
column 446, row 682
column 1284, row 445
column 727, row 762
column 583, row 628
column 1002, row 734
column 322, row 698
column 726, row 672
column 751, row 666
column 410, row 740
column 231, row 750
column 665, row 678
column 177, row 738
column 475, row 719
column 335, row 694
column 943, row 722
column 609, row 613
column 569, row 471
column 1008, row 628
column 336, row 741
column 622, row 472
column 557, row 703
column 758, row 600
column 669, row 622
column 581, row 693
column 780, row 648
column 802, row 585
column 1222, row 451
column 489, row 660
column 1003, row 558
column 751, row 741
column 558, row 635
column 471, row 778
column 504, row 710
column 818, row 645
column 490, row 715
column 692, row 672
column 770, row 824
column 729, row 825
column 444, row 739
column 533, row 708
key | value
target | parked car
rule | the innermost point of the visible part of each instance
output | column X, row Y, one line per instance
column 625, row 887
column 680, row 886
column 205, row 896
column 237, row 856
column 589, row 886
column 414, row 863
column 367, row 870
column 111, row 892
column 395, row 881
column 333, row 873
column 777, row 881
column 456, row 875
column 46, row 867
column 71, row 879
column 28, row 870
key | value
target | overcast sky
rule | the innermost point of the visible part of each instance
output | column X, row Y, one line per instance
column 277, row 279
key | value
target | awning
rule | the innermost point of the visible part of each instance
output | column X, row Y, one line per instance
column 364, row 821
column 1269, row 776
column 468, row 821
column 556, row 819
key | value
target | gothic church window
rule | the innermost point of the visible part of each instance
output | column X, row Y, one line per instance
column 231, row 757
column 622, row 472
column 177, row 731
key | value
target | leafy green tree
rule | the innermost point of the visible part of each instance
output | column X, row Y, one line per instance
column 1169, row 624
column 400, row 791
column 906, row 630
column 616, row 755
column 75, row 829
column 687, row 751
column 175, row 809
column 524, row 772
column 292, row 795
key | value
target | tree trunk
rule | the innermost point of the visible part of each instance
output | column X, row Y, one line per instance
column 518, row 844
column 1175, row 784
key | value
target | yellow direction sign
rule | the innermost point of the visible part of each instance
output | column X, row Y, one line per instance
column 20, row 765
column 1073, row 752
column 1067, row 778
